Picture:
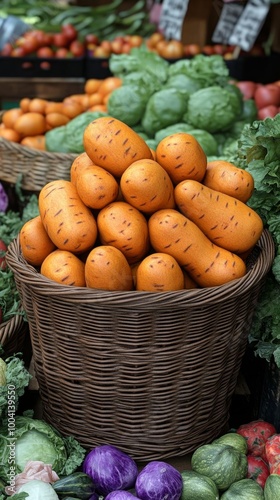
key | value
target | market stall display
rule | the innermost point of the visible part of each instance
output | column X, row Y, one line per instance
column 137, row 351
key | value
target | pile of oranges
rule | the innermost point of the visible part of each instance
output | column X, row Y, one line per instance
column 28, row 123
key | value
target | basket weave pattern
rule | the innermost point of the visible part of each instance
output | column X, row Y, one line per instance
column 37, row 168
column 13, row 334
column 151, row 373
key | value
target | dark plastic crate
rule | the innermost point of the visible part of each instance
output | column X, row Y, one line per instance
column 97, row 67
column 33, row 67
column 260, row 69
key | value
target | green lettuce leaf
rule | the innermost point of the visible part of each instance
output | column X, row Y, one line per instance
column 139, row 59
column 35, row 439
column 17, row 379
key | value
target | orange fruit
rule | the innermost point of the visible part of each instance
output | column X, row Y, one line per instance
column 64, row 267
column 72, row 108
column 10, row 134
column 24, row 104
column 92, row 85
column 182, row 157
column 35, row 142
column 54, row 120
column 98, row 107
column 109, row 84
column 106, row 268
column 10, row 116
column 34, row 241
column 53, row 107
column 159, row 272
column 81, row 161
column 30, row 124
column 95, row 98
column 38, row 105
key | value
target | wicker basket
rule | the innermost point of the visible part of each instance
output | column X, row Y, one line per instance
column 34, row 168
column 13, row 334
column 151, row 373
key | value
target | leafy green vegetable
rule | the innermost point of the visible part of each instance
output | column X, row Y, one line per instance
column 10, row 225
column 204, row 70
column 206, row 141
column 172, row 129
column 139, row 59
column 258, row 152
column 69, row 138
column 37, row 440
column 128, row 103
column 213, row 109
column 165, row 107
column 38, row 490
column 17, row 379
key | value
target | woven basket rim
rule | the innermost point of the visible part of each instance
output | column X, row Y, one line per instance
column 10, row 327
column 264, row 250
column 37, row 153
column 9, row 146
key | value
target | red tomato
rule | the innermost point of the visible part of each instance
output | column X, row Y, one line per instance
column 3, row 249
column 247, row 88
column 77, row 48
column 69, row 31
column 272, row 451
column 258, row 470
column 60, row 40
column 208, row 50
column 266, row 95
column 256, row 434
column 192, row 49
column 91, row 38
column 268, row 112
column 62, row 52
column 45, row 52
column 18, row 52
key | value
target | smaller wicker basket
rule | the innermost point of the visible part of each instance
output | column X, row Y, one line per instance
column 13, row 334
column 34, row 168
column 151, row 373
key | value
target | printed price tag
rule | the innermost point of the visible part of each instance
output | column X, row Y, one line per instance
column 172, row 17
column 250, row 24
column 230, row 14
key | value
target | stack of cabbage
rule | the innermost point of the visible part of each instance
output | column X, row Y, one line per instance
column 194, row 95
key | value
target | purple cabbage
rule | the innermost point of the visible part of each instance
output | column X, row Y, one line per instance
column 121, row 495
column 159, row 481
column 4, row 200
column 110, row 469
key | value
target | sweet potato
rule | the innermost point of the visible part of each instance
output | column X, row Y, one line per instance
column 206, row 263
column 113, row 145
column 96, row 187
column 34, row 241
column 225, row 177
column 226, row 221
column 64, row 267
column 69, row 223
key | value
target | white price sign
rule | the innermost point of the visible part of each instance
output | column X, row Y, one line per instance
column 250, row 23
column 230, row 15
column 172, row 17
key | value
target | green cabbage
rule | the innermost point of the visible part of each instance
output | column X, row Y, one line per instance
column 128, row 103
column 206, row 141
column 172, row 129
column 37, row 490
column 69, row 138
column 165, row 107
column 36, row 440
column 213, row 109
column 204, row 70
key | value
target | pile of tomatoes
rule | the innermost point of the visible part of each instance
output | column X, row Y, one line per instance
column 266, row 97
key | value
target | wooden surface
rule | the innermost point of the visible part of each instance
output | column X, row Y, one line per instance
column 46, row 88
